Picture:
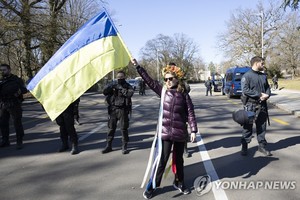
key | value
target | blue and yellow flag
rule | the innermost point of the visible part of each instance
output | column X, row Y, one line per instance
column 92, row 52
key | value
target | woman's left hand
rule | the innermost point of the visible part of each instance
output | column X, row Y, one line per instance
column 193, row 137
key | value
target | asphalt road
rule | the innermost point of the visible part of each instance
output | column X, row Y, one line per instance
column 39, row 172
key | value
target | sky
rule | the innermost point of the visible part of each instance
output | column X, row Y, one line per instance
column 139, row 21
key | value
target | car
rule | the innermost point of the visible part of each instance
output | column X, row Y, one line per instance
column 218, row 84
column 232, row 81
column 134, row 83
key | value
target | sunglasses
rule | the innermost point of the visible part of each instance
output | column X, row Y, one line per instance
column 170, row 79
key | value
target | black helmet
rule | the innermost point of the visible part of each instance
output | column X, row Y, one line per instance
column 243, row 117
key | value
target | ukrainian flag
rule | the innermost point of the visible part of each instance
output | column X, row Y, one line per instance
column 93, row 51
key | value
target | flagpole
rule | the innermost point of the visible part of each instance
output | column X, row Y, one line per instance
column 121, row 39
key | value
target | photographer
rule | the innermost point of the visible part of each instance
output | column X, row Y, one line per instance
column 118, row 99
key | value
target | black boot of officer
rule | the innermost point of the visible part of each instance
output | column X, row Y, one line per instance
column 124, row 148
column 108, row 147
column 19, row 144
column 64, row 146
column 75, row 149
column 5, row 142
column 244, row 150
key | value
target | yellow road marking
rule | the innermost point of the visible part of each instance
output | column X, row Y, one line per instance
column 280, row 121
column 233, row 102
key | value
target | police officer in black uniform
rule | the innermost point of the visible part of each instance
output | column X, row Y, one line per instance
column 208, row 84
column 12, row 89
column 118, row 98
column 67, row 130
column 255, row 93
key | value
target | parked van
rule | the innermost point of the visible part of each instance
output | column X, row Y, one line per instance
column 217, row 82
column 232, row 81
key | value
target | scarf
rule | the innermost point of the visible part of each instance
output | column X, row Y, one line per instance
column 156, row 148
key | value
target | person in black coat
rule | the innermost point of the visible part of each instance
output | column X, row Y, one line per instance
column 118, row 99
column 67, row 130
column 255, row 93
column 12, row 89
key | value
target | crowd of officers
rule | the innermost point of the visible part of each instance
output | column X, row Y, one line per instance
column 119, row 104
column 118, row 99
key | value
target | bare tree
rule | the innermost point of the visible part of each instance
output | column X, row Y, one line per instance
column 161, row 50
column 32, row 30
column 198, row 68
column 184, row 51
column 19, row 16
column 294, row 4
column 243, row 38
column 51, row 29
column 156, row 53
column 286, row 50
column 64, row 18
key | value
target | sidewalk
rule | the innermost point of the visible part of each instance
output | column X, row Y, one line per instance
column 288, row 100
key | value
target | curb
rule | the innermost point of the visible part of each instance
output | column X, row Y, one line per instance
column 285, row 108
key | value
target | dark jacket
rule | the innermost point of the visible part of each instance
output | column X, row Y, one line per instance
column 178, row 109
column 253, row 84
column 118, row 96
column 12, row 89
column 208, row 83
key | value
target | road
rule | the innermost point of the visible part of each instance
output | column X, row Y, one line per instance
column 39, row 172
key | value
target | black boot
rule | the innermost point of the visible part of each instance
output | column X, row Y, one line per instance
column 108, row 148
column 244, row 150
column 74, row 149
column 124, row 148
column 64, row 147
column 262, row 149
column 19, row 145
column 5, row 143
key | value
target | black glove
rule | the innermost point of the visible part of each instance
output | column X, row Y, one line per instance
column 119, row 87
column 124, row 92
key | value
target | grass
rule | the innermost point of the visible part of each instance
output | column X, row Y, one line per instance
column 289, row 84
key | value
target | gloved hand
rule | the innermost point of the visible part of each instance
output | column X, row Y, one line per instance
column 18, row 93
column 119, row 87
column 124, row 92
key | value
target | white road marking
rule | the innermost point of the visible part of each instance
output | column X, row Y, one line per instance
column 210, row 170
column 100, row 126
column 92, row 131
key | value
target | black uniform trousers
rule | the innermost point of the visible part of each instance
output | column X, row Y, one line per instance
column 209, row 89
column 261, row 126
column 15, row 112
column 66, row 126
column 121, row 115
column 166, row 151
